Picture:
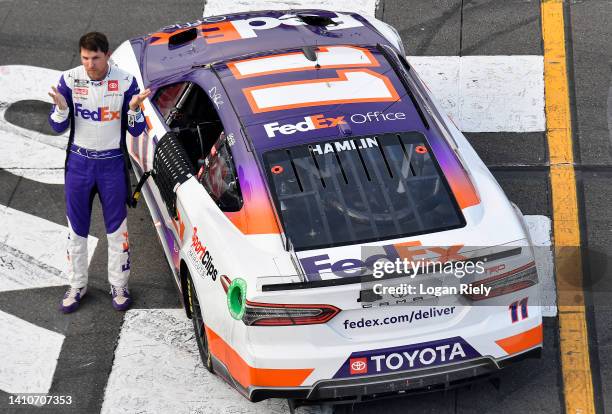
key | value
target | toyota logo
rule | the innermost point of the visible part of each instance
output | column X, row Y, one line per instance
column 358, row 366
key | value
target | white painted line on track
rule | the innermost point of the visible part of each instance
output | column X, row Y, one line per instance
column 487, row 93
column 33, row 251
column 23, row 152
column 540, row 231
column 157, row 369
column 29, row 356
column 216, row 7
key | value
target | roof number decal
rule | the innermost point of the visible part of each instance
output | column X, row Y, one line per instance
column 350, row 86
column 331, row 57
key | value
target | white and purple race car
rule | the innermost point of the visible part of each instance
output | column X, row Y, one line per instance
column 300, row 169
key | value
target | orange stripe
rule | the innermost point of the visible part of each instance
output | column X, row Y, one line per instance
column 256, row 216
column 465, row 192
column 212, row 32
column 247, row 375
column 260, row 223
column 522, row 341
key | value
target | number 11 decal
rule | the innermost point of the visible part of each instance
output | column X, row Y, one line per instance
column 516, row 307
column 351, row 86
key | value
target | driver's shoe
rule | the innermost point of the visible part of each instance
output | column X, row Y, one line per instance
column 72, row 299
column 121, row 298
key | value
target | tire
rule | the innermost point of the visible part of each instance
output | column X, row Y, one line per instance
column 198, row 325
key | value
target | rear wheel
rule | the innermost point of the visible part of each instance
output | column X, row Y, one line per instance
column 198, row 324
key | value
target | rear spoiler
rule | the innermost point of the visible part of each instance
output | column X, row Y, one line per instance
column 370, row 278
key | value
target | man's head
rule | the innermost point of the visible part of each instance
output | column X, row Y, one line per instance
column 94, row 54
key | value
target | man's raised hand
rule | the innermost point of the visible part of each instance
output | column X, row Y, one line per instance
column 58, row 99
column 138, row 99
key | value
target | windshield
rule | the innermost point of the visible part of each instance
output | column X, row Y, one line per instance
column 360, row 189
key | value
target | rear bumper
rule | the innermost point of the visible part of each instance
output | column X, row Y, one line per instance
column 388, row 385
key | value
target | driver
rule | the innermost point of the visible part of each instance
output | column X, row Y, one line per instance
column 99, row 102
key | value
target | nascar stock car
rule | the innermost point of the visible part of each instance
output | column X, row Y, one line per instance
column 292, row 151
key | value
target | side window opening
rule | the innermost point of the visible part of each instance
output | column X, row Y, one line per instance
column 166, row 98
column 218, row 175
column 190, row 114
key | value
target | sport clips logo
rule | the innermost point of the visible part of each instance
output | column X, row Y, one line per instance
column 201, row 257
column 99, row 115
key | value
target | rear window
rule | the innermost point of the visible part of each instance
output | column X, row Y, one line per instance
column 360, row 189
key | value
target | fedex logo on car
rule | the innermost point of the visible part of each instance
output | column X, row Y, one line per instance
column 412, row 251
column 100, row 115
column 310, row 123
column 402, row 358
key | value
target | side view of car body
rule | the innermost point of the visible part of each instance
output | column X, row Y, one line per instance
column 292, row 153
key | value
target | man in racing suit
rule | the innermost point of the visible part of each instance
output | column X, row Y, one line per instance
column 99, row 102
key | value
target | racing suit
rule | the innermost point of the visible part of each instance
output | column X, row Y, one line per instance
column 98, row 115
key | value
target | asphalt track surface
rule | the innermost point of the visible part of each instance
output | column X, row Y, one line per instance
column 43, row 33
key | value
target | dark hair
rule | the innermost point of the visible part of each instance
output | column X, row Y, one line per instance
column 94, row 41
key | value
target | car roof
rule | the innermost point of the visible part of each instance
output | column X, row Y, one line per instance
column 220, row 38
column 349, row 91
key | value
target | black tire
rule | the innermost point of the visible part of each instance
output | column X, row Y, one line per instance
column 198, row 325
column 343, row 408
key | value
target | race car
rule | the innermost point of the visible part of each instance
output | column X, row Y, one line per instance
column 301, row 171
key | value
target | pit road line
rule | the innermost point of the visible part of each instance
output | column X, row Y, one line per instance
column 574, row 345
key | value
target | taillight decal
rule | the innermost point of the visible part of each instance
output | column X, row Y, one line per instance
column 276, row 314
column 510, row 273
column 511, row 287
column 225, row 282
